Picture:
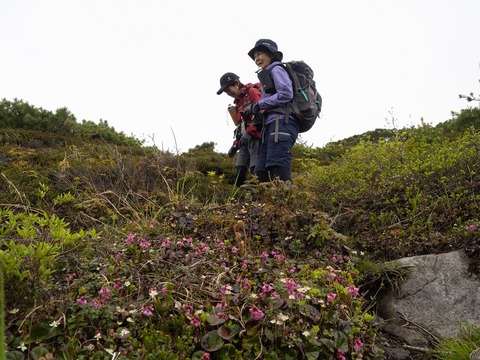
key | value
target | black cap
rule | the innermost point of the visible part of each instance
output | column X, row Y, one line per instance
column 265, row 44
column 226, row 80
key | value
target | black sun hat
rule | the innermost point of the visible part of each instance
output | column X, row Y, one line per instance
column 226, row 80
column 269, row 45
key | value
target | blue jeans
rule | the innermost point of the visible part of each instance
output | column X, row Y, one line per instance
column 277, row 154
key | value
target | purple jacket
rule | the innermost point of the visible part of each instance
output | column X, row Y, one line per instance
column 284, row 88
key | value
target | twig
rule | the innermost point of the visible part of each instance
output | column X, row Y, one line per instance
column 435, row 338
column 416, row 348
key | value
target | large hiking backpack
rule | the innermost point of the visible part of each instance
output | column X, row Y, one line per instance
column 306, row 104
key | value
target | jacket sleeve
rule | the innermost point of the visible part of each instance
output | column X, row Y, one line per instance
column 283, row 87
column 254, row 94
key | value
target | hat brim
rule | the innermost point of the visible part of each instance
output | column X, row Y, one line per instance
column 252, row 52
column 223, row 88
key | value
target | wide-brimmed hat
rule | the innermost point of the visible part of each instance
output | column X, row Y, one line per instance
column 269, row 45
column 226, row 80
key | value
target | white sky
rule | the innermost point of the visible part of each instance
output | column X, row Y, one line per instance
column 152, row 68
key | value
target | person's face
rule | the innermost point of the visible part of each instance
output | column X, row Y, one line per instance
column 262, row 59
column 233, row 90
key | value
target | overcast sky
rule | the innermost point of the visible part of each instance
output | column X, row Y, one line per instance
column 152, row 68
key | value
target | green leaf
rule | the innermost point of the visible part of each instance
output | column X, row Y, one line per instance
column 214, row 319
column 227, row 332
column 291, row 354
column 312, row 352
column 40, row 332
column 14, row 355
column 39, row 352
column 252, row 327
column 227, row 352
column 211, row 341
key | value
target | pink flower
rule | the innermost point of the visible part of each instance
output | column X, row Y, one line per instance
column 195, row 322
column 246, row 284
column 222, row 305
column 118, row 255
column 291, row 286
column 264, row 255
column 335, row 258
column 144, row 244
column 82, row 300
column 223, row 266
column 69, row 278
column 257, row 314
column 279, row 256
column 147, row 310
column 189, row 240
column 244, row 264
column 220, row 242
column 104, row 291
column 331, row 297
column 225, row 289
column 188, row 308
column 292, row 269
column 357, row 344
column 96, row 303
column 266, row 288
column 117, row 286
column 352, row 290
column 234, row 250
column 205, row 356
column 166, row 242
column 340, row 355
column 130, row 238
column 164, row 289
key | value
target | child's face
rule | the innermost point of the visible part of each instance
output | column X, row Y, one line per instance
column 233, row 90
column 262, row 59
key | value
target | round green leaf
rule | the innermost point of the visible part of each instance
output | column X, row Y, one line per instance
column 211, row 341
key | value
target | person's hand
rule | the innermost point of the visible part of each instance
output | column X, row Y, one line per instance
column 233, row 150
column 245, row 139
column 252, row 110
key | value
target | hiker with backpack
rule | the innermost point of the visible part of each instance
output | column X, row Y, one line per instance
column 290, row 103
column 247, row 131
column 280, row 130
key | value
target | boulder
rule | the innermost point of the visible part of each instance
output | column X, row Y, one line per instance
column 435, row 299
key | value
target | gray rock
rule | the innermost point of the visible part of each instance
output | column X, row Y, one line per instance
column 437, row 297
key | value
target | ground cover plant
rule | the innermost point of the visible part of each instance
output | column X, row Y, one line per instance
column 235, row 281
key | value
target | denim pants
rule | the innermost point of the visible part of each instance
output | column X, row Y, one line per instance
column 277, row 153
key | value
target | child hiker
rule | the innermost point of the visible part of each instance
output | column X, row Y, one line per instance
column 247, row 136
column 278, row 134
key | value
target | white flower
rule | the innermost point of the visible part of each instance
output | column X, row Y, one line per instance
column 22, row 346
column 253, row 295
column 306, row 333
column 127, row 283
column 55, row 323
column 98, row 336
column 303, row 290
column 130, row 320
